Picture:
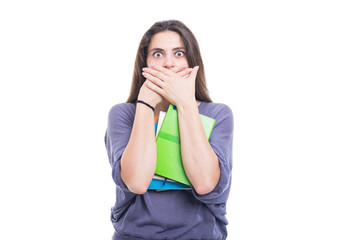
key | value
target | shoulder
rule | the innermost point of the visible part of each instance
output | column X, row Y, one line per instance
column 222, row 113
column 122, row 111
column 216, row 110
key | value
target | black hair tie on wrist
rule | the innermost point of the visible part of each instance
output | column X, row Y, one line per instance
column 139, row 101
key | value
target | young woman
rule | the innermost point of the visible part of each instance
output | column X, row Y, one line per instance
column 169, row 70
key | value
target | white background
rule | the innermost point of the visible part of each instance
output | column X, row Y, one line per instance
column 288, row 69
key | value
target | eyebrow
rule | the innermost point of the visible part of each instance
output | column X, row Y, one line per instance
column 161, row 50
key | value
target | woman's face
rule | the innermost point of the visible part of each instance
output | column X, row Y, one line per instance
column 166, row 50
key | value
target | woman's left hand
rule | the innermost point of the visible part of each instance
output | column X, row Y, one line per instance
column 176, row 87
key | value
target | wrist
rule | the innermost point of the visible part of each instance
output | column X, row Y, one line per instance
column 187, row 106
column 144, row 103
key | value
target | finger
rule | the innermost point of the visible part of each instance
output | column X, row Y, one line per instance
column 194, row 73
column 155, row 73
column 153, row 79
column 185, row 72
column 154, row 87
column 163, row 70
column 178, row 69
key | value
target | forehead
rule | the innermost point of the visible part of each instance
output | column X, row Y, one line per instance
column 166, row 40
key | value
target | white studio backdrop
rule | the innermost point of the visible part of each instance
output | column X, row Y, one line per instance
column 288, row 69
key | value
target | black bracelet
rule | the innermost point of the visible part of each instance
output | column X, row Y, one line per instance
column 139, row 101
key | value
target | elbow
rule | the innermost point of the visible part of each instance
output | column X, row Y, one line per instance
column 205, row 185
column 135, row 184
column 203, row 189
column 138, row 191
column 137, row 188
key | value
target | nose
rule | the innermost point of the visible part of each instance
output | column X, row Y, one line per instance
column 169, row 62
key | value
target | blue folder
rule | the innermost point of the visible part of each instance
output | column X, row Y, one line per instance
column 166, row 185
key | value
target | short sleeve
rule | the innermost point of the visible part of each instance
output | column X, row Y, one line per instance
column 221, row 141
column 120, row 122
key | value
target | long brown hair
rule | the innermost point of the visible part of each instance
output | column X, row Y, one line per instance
column 192, row 54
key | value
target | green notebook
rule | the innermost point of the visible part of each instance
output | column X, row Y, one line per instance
column 169, row 162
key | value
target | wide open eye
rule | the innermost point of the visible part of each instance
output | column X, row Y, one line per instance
column 157, row 54
column 179, row 53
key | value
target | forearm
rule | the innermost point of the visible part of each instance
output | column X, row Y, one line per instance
column 138, row 161
column 199, row 160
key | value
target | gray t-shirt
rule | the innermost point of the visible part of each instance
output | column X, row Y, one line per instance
column 173, row 214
